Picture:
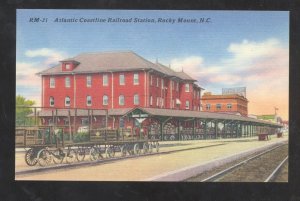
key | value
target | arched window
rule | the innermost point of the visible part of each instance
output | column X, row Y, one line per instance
column 121, row 100
column 88, row 100
column 67, row 101
column 136, row 100
column 67, row 82
column 105, row 100
column 51, row 101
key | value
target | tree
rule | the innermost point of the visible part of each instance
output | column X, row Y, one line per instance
column 23, row 110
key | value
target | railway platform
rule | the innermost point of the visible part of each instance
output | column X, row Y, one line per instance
column 175, row 160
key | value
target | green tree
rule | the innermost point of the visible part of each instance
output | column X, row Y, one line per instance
column 23, row 110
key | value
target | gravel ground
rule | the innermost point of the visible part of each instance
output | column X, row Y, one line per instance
column 283, row 173
column 254, row 169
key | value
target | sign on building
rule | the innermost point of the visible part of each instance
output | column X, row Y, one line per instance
column 236, row 90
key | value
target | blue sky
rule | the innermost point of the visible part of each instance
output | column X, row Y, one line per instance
column 237, row 48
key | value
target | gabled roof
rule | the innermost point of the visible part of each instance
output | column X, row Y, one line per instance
column 113, row 61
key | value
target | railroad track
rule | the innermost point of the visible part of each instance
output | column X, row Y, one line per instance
column 260, row 167
column 104, row 160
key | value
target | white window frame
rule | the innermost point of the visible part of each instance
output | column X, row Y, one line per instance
column 52, row 82
column 122, row 79
column 135, row 79
column 187, row 105
column 67, row 82
column 105, row 80
column 136, row 99
column 67, row 99
column 51, row 101
column 187, row 87
column 157, row 101
column 151, row 80
column 229, row 106
column 68, row 66
column 89, row 100
column 121, row 98
column 157, row 81
column 105, row 100
column 162, row 83
column 88, row 81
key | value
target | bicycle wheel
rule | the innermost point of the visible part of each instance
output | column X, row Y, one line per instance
column 136, row 149
column 94, row 154
column 70, row 156
column 80, row 154
column 150, row 148
column 123, row 150
column 31, row 157
column 145, row 148
column 44, row 157
column 109, row 152
column 58, row 156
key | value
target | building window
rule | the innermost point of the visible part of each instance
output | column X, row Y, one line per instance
column 136, row 79
column 67, row 101
column 52, row 82
column 151, row 100
column 151, row 80
column 162, row 102
column 121, row 100
column 229, row 106
column 67, row 82
column 51, row 101
column 122, row 79
column 187, row 87
column 105, row 80
column 136, row 100
column 177, row 86
column 157, row 82
column 218, row 106
column 66, row 121
column 50, row 122
column 85, row 121
column 162, row 83
column 68, row 66
column 88, row 100
column 105, row 100
column 187, row 105
column 157, row 101
column 207, row 106
column 88, row 81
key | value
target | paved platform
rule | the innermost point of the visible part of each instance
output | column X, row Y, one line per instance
column 147, row 168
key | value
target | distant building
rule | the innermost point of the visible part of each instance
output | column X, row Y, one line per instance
column 231, row 103
column 270, row 117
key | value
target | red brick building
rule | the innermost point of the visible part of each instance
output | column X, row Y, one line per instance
column 111, row 80
column 233, row 103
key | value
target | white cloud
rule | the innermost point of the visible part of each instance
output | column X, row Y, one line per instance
column 26, row 78
column 260, row 66
column 52, row 56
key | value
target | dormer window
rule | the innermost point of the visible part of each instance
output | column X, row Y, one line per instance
column 68, row 66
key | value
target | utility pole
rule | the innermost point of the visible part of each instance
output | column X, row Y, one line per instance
column 275, row 110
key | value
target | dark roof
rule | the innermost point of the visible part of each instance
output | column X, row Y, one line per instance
column 199, row 114
column 227, row 96
column 152, row 112
column 113, row 61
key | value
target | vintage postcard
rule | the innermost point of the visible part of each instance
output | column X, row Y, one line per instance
column 152, row 95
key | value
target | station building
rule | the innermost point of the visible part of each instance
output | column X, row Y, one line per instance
column 123, row 91
column 228, row 103
column 112, row 80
